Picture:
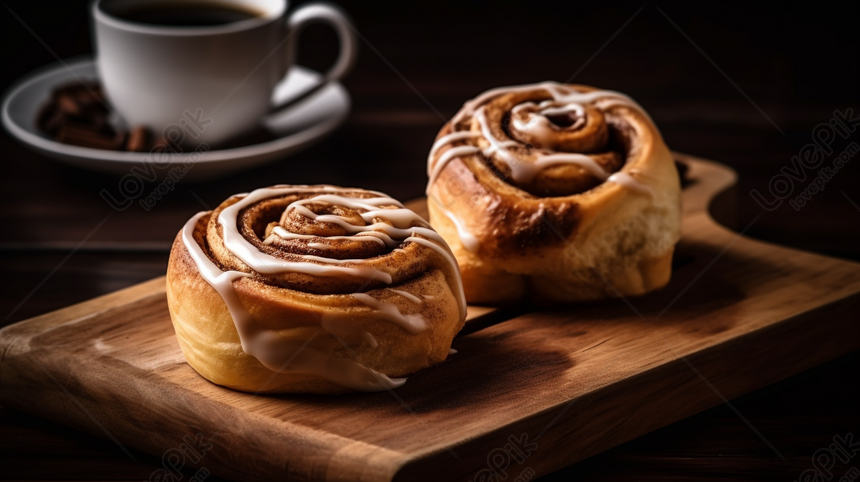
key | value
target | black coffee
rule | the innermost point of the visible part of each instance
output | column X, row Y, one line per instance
column 182, row 14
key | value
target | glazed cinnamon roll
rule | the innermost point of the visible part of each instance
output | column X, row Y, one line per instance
column 555, row 193
column 312, row 289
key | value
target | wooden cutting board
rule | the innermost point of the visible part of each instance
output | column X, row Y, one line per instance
column 523, row 397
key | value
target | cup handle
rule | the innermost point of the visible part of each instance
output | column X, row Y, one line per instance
column 337, row 19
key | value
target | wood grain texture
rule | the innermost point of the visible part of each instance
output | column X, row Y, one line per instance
column 572, row 382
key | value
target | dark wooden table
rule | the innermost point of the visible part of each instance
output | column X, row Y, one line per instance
column 742, row 85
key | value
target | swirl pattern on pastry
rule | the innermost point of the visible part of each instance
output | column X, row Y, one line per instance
column 527, row 173
column 314, row 289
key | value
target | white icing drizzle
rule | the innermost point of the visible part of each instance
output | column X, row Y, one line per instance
column 446, row 253
column 538, row 124
column 268, row 346
column 496, row 146
column 559, row 92
column 280, row 232
column 409, row 296
column 386, row 311
column 467, row 239
column 268, row 264
column 564, row 100
column 547, row 109
column 401, row 226
column 628, row 181
column 580, row 160
column 526, row 171
column 452, row 351
column 447, row 139
column 450, row 154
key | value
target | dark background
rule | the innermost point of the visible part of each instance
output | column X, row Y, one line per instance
column 799, row 63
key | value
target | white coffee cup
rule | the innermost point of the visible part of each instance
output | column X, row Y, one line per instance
column 216, row 81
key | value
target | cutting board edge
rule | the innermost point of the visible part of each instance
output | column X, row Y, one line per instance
column 93, row 306
column 781, row 329
column 70, row 404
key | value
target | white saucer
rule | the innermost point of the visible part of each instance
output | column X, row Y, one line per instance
column 296, row 128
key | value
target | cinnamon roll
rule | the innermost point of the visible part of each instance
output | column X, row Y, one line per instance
column 312, row 289
column 555, row 193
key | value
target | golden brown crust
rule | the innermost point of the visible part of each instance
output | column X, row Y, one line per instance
column 546, row 230
column 302, row 310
